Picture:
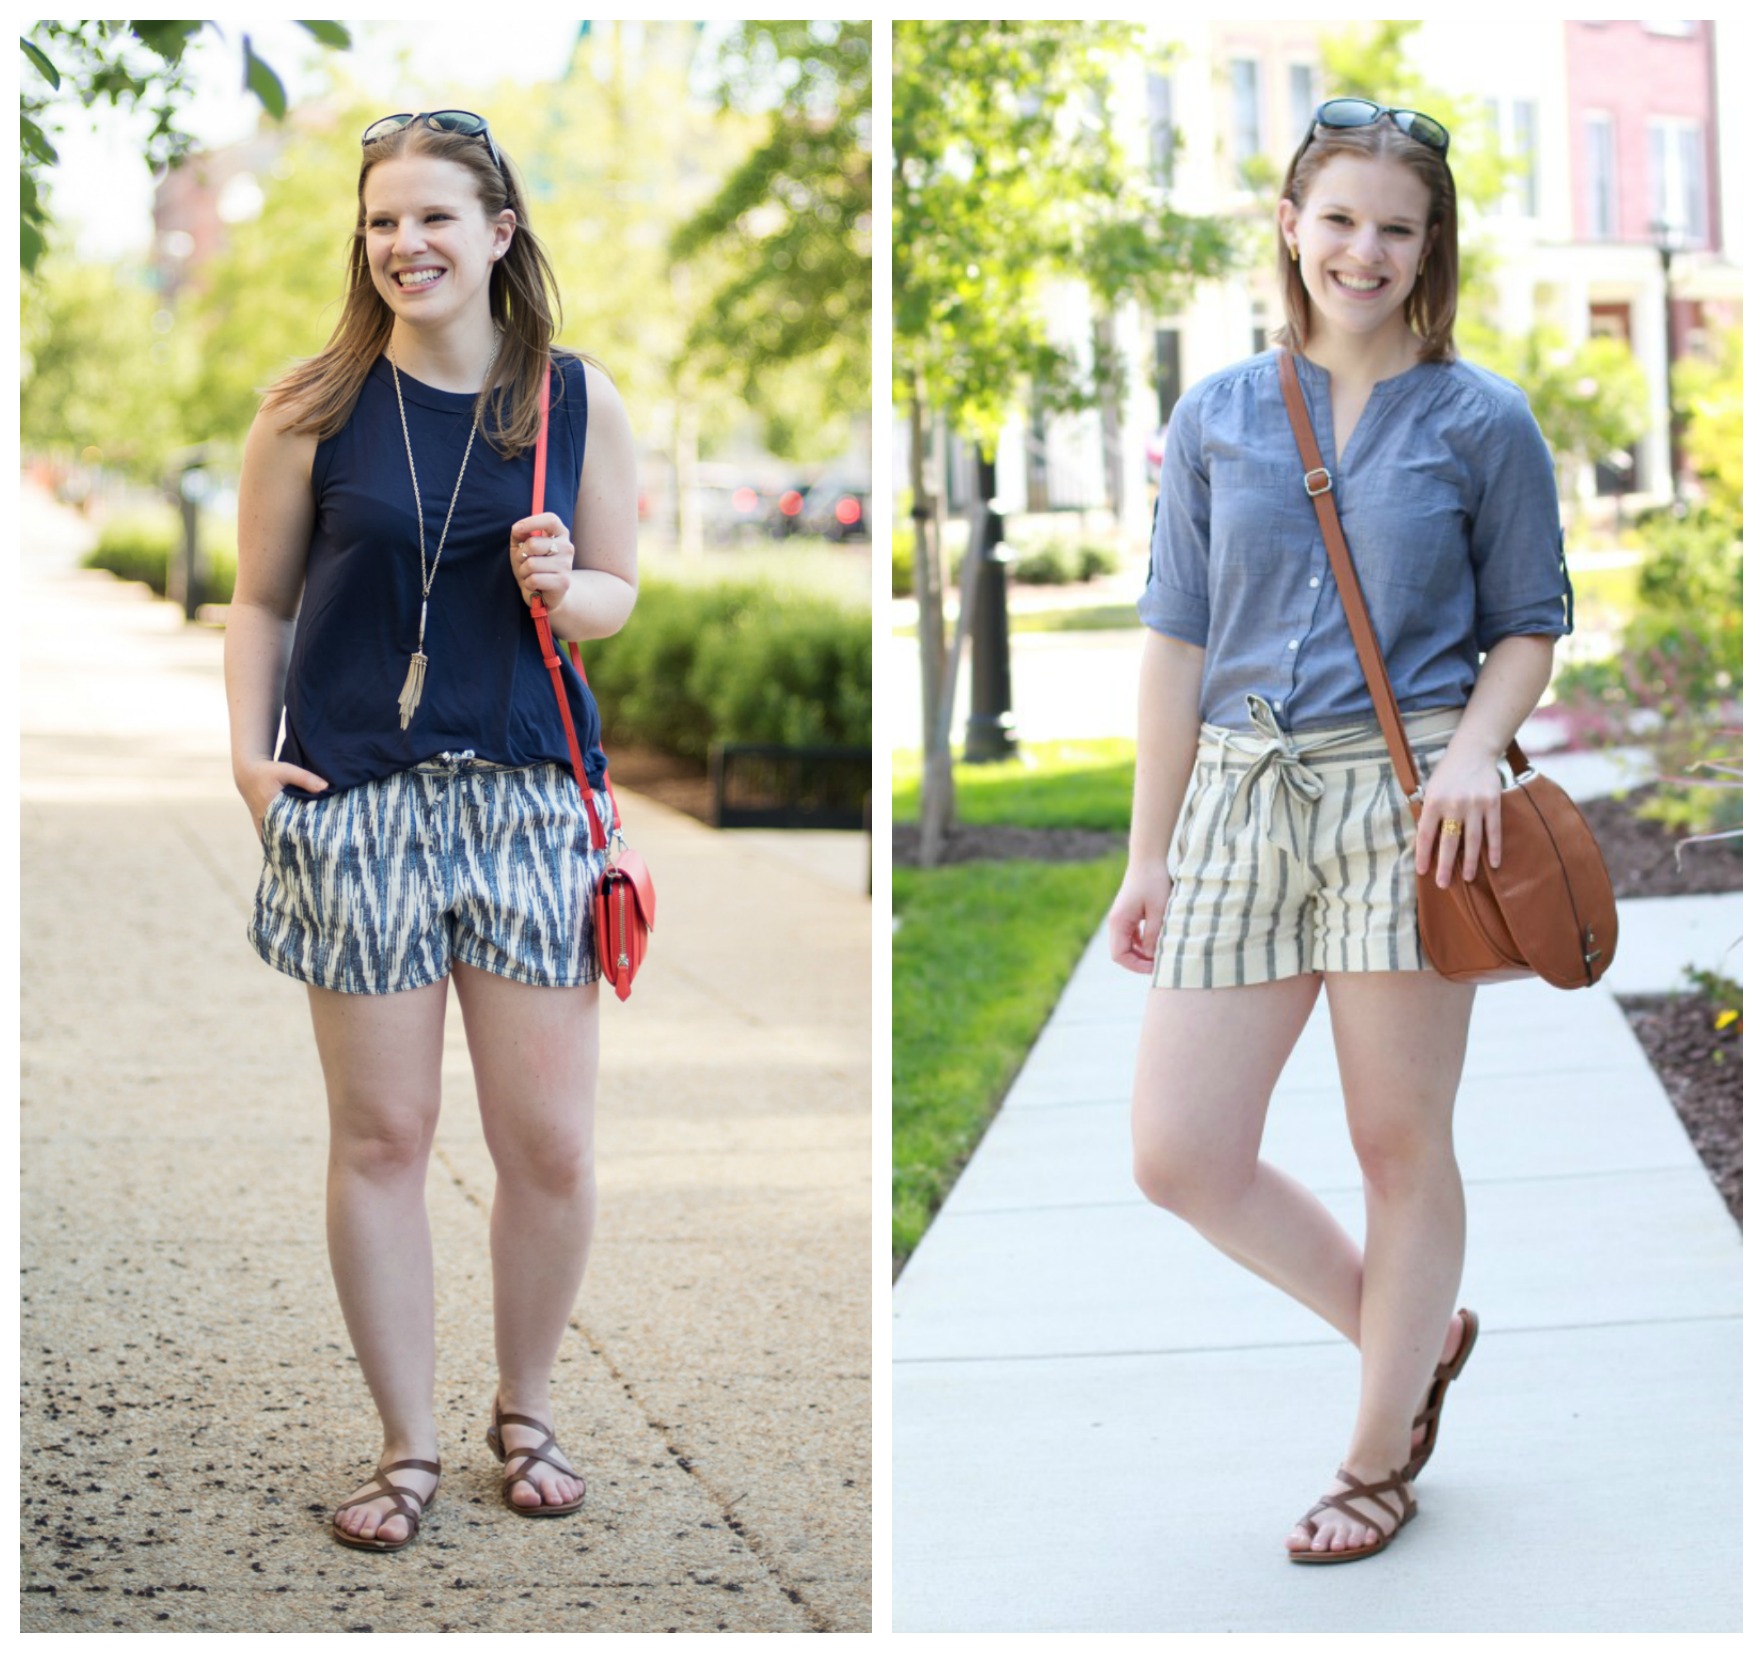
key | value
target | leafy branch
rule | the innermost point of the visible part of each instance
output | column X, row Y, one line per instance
column 128, row 65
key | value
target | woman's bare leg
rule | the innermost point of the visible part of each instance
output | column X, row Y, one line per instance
column 381, row 1055
column 535, row 1052
column 1400, row 1040
column 1208, row 1062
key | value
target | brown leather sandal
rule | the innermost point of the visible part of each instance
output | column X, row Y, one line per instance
column 1442, row 1378
column 530, row 1454
column 408, row 1506
column 1372, row 1492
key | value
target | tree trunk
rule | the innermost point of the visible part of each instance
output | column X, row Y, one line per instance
column 937, row 810
column 1113, row 465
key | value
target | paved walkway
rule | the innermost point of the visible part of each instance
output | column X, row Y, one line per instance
column 1101, row 1424
column 191, row 1410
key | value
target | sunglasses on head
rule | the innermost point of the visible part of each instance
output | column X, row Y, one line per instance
column 1343, row 114
column 462, row 123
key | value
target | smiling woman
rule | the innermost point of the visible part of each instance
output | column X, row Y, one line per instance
column 420, row 821
column 1273, row 856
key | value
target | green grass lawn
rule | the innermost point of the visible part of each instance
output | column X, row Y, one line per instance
column 983, row 950
column 981, row 955
column 1073, row 783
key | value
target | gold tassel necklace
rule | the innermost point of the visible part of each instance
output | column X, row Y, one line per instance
column 411, row 695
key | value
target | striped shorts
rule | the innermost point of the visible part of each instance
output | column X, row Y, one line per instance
column 1294, row 853
column 379, row 888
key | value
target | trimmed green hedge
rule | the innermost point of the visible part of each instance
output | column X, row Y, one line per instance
column 138, row 545
column 698, row 665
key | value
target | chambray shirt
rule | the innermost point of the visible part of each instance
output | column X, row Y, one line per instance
column 1447, row 500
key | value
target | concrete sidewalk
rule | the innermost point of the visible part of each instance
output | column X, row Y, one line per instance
column 191, row 1410
column 1102, row 1424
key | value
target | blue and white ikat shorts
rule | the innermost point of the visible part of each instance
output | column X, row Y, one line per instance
column 1294, row 853
column 382, row 887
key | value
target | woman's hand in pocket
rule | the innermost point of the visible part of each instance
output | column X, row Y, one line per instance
column 260, row 782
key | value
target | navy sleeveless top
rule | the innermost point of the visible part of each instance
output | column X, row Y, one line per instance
column 487, row 690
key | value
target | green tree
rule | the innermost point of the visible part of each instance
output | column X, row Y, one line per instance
column 1712, row 394
column 1009, row 176
column 272, row 294
column 609, row 181
column 128, row 65
column 785, row 311
column 100, row 368
column 1591, row 400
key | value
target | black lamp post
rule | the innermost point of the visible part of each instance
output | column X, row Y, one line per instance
column 991, row 723
column 1666, row 241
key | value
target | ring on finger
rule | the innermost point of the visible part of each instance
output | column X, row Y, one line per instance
column 1450, row 829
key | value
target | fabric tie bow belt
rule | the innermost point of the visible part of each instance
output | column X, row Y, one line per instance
column 1276, row 767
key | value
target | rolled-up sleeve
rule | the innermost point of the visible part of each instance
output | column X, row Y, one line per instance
column 1515, row 542
column 1175, row 600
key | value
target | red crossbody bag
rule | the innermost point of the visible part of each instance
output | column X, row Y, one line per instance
column 624, row 898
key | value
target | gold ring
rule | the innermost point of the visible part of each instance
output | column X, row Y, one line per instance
column 1451, row 829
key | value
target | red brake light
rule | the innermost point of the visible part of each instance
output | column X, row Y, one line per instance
column 848, row 511
column 790, row 503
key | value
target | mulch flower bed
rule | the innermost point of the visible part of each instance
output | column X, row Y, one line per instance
column 680, row 783
column 1703, row 1071
column 1700, row 1064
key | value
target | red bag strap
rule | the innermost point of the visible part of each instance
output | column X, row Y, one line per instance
column 548, row 646
column 1319, row 485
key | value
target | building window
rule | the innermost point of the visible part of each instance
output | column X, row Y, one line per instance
column 1302, row 100
column 1160, row 118
column 1524, row 147
column 1677, row 193
column 1514, row 122
column 1600, row 175
column 1245, row 113
column 1168, row 369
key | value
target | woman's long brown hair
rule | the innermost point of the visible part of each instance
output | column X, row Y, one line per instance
column 1431, row 308
column 318, row 396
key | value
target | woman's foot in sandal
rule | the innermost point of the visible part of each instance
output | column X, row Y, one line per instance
column 1358, row 1516
column 386, row 1512
column 540, row 1479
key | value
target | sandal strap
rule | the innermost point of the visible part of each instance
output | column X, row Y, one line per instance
column 412, row 1509
column 525, row 1455
column 1371, row 1492
column 522, row 1456
column 1395, row 1482
column 525, row 1423
column 1448, row 1371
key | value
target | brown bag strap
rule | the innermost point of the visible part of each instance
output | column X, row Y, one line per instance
column 1319, row 485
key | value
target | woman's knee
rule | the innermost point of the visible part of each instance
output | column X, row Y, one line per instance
column 550, row 1164
column 1185, row 1179
column 1402, row 1153
column 381, row 1142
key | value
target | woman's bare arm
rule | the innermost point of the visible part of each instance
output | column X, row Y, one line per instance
column 275, row 532
column 1169, row 736
column 591, row 594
